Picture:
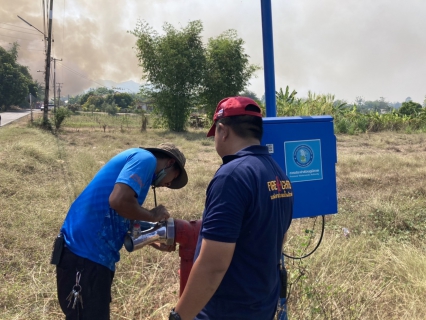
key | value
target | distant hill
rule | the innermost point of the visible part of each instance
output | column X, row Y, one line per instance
column 127, row 86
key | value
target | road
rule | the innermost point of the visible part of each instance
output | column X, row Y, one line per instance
column 8, row 117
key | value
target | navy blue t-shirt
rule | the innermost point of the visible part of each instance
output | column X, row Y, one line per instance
column 249, row 202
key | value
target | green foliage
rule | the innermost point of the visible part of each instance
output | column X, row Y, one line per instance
column 40, row 91
column 173, row 66
column 374, row 106
column 42, row 123
column 59, row 116
column 289, row 105
column 351, row 119
column 75, row 99
column 95, row 101
column 122, row 100
column 184, row 75
column 111, row 109
column 410, row 108
column 102, row 91
column 249, row 94
column 287, row 97
column 15, row 81
column 227, row 69
column 73, row 107
column 101, row 100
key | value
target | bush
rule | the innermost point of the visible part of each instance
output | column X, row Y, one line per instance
column 111, row 109
column 341, row 126
column 40, row 123
column 60, row 115
column 74, row 107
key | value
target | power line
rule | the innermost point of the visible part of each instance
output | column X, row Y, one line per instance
column 25, row 48
column 9, row 24
column 31, row 49
column 18, row 38
column 36, row 34
column 32, row 26
column 79, row 74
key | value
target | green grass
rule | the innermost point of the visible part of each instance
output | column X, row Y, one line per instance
column 379, row 272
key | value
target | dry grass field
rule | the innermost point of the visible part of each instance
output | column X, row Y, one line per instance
column 378, row 272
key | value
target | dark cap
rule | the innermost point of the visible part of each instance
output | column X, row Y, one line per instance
column 234, row 106
column 172, row 151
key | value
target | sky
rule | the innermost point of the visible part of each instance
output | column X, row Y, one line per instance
column 350, row 48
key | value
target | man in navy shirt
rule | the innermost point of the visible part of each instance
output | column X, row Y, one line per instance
column 249, row 207
column 98, row 220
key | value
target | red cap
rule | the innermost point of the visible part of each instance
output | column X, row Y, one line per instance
column 233, row 106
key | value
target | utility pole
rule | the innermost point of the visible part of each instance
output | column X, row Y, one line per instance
column 59, row 94
column 54, row 83
column 31, row 106
column 47, row 71
column 46, row 78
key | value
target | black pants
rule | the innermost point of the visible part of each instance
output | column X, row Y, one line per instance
column 95, row 282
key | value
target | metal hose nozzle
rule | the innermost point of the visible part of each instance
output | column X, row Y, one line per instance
column 163, row 232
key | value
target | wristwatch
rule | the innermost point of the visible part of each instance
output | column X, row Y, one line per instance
column 174, row 315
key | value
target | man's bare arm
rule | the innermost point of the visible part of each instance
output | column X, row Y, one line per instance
column 205, row 277
column 123, row 200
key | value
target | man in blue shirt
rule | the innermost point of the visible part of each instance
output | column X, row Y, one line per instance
column 98, row 220
column 249, row 207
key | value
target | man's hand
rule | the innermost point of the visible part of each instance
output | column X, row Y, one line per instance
column 124, row 201
column 163, row 247
column 159, row 213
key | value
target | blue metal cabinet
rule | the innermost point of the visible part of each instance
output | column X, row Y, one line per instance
column 305, row 147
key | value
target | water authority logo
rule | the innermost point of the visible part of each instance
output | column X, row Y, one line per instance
column 303, row 155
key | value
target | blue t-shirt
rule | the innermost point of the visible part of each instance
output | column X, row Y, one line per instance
column 92, row 229
column 250, row 203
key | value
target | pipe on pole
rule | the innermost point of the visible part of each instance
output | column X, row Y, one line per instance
column 46, row 76
column 54, row 85
column 268, row 58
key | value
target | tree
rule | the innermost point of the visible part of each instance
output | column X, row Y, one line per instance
column 249, row 94
column 111, row 109
column 359, row 101
column 75, row 99
column 375, row 106
column 101, row 91
column 228, row 70
column 173, row 66
column 40, row 91
column 59, row 116
column 122, row 100
column 86, row 96
column 95, row 101
column 182, row 73
column 410, row 108
column 15, row 81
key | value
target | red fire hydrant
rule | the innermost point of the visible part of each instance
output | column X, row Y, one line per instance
column 170, row 232
column 186, row 235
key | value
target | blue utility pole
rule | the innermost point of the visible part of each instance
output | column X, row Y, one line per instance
column 271, row 105
column 268, row 58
